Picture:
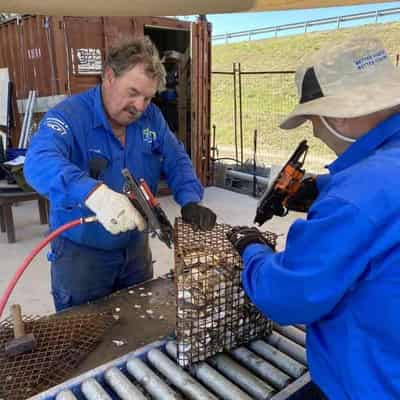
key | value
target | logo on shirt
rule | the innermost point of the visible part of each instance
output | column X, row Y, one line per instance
column 149, row 136
column 98, row 151
column 56, row 125
column 370, row 59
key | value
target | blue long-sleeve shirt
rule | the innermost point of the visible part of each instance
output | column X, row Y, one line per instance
column 77, row 131
column 340, row 272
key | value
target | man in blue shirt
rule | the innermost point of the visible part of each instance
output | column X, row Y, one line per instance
column 75, row 159
column 339, row 272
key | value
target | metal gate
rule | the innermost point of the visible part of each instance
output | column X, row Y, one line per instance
column 251, row 104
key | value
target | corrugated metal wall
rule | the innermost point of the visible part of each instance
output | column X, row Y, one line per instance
column 201, row 82
column 26, row 49
column 64, row 55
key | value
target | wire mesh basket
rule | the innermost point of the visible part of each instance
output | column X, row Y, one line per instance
column 213, row 312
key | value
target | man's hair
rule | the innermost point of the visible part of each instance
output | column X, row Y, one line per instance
column 128, row 54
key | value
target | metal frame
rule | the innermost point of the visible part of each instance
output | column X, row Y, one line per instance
column 297, row 389
column 306, row 24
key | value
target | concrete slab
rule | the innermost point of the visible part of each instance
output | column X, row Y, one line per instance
column 33, row 290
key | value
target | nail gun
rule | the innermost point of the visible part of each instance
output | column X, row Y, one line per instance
column 144, row 201
column 286, row 184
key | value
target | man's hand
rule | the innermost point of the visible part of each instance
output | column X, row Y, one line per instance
column 242, row 236
column 198, row 216
column 304, row 197
column 114, row 210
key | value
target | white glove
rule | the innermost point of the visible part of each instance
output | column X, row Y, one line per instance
column 114, row 210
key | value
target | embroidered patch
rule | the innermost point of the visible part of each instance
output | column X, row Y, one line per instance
column 98, row 151
column 149, row 136
column 57, row 125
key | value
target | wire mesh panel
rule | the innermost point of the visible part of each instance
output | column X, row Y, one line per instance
column 213, row 312
column 62, row 342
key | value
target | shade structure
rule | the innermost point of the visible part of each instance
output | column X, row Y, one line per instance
column 160, row 7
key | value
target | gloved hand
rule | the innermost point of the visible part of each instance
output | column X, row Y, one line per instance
column 198, row 216
column 114, row 210
column 242, row 236
column 304, row 197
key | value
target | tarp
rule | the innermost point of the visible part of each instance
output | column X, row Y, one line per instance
column 160, row 7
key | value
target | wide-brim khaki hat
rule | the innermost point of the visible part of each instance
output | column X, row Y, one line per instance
column 347, row 80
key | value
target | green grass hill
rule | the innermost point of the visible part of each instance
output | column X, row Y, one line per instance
column 268, row 98
column 285, row 53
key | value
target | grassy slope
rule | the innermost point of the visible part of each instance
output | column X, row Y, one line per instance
column 287, row 52
column 268, row 98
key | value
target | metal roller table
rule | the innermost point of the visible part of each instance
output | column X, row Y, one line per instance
column 135, row 359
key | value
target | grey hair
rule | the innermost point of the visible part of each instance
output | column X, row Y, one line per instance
column 127, row 55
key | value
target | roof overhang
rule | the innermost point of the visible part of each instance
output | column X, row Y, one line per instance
column 161, row 7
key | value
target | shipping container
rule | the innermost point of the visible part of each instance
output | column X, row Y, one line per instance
column 64, row 55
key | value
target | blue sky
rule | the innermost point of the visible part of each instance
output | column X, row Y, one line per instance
column 226, row 23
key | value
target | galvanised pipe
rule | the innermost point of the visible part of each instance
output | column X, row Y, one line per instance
column 177, row 376
column 224, row 388
column 92, row 390
column 300, row 326
column 293, row 333
column 276, row 357
column 158, row 389
column 122, row 386
column 287, row 346
column 262, row 368
column 66, row 395
column 245, row 379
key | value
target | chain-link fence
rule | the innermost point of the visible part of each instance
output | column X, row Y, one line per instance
column 243, row 102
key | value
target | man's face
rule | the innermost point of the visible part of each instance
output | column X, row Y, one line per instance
column 321, row 132
column 126, row 97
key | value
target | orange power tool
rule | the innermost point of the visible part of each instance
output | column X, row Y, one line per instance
column 287, row 183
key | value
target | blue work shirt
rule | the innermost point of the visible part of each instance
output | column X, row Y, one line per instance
column 340, row 272
column 77, row 131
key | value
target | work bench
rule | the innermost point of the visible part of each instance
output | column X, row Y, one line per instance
column 145, row 317
column 10, row 195
column 135, row 327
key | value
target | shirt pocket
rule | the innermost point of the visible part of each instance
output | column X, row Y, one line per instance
column 98, row 164
column 152, row 164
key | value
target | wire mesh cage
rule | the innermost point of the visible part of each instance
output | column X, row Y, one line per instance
column 213, row 312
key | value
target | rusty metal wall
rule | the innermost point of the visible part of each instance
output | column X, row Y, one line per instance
column 65, row 55
column 201, row 73
column 11, row 53
column 84, row 40
column 26, row 49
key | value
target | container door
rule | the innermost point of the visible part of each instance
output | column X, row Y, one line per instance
column 86, row 51
column 200, row 107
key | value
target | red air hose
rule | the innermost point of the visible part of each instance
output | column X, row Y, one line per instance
column 21, row 269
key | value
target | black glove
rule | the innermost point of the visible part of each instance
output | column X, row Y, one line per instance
column 198, row 216
column 304, row 197
column 242, row 236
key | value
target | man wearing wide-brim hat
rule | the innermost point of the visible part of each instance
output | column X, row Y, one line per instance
column 340, row 270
